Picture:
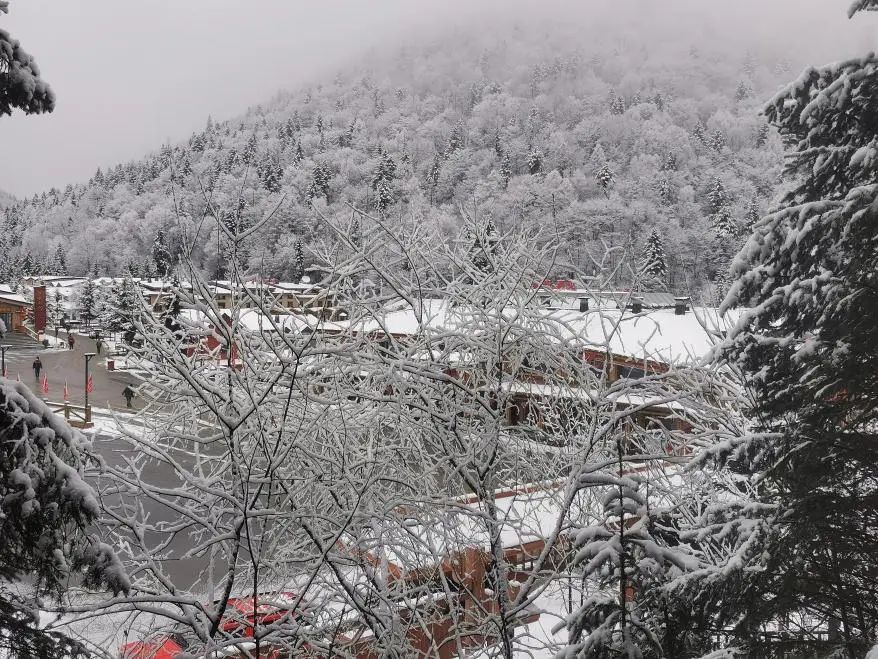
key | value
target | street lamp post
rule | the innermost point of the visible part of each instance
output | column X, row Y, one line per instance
column 88, row 357
column 3, row 350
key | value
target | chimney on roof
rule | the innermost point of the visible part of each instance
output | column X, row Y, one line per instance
column 636, row 304
column 681, row 305
column 583, row 304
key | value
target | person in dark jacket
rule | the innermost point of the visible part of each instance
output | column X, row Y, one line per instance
column 128, row 392
column 70, row 341
column 37, row 366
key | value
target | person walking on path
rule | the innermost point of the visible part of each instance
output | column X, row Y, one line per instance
column 98, row 345
column 37, row 366
column 128, row 392
column 56, row 332
column 70, row 341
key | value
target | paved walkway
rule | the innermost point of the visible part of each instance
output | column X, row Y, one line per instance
column 69, row 366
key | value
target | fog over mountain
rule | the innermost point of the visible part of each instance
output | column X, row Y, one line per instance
column 153, row 72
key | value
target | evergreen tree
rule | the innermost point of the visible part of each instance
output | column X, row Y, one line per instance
column 54, row 308
column 670, row 162
column 605, row 178
column 484, row 246
column 433, row 176
column 534, row 161
column 654, row 270
column 809, row 354
column 751, row 216
column 455, row 140
column 60, row 260
column 249, row 153
column 123, row 308
column 723, row 222
column 88, row 303
column 761, row 135
column 382, row 182
column 47, row 514
column 27, row 267
column 506, row 170
column 717, row 197
column 270, row 173
column 171, row 313
column 161, row 254
column 626, row 562
column 299, row 262
column 21, row 87
column 617, row 103
column 743, row 92
column 699, row 132
column 321, row 175
column 717, row 141
column 355, row 234
column 665, row 191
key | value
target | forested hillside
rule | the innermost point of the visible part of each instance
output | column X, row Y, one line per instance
column 602, row 141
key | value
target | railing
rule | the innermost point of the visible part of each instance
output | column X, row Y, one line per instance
column 32, row 333
column 77, row 416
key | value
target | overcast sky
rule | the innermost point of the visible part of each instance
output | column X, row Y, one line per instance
column 132, row 74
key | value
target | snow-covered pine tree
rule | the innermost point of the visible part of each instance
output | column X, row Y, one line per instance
column 808, row 351
column 61, row 260
column 717, row 197
column 617, row 103
column 161, row 254
column 761, row 136
column 54, row 308
column 665, row 191
column 751, row 216
column 171, row 314
column 699, row 132
column 26, row 265
column 624, row 562
column 455, row 139
column 743, row 92
column 505, row 170
column 270, row 172
column 87, row 302
column 605, row 178
column 319, row 184
column 717, row 141
column 123, row 310
column 534, row 161
column 382, row 182
column 723, row 223
column 249, row 153
column 299, row 262
column 654, row 271
column 24, row 90
column 47, row 513
column 433, row 175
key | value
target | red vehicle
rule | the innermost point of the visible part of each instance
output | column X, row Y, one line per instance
column 158, row 647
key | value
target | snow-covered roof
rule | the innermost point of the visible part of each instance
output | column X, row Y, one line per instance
column 14, row 298
column 655, row 334
column 658, row 335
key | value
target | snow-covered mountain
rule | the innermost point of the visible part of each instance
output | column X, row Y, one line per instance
column 606, row 142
